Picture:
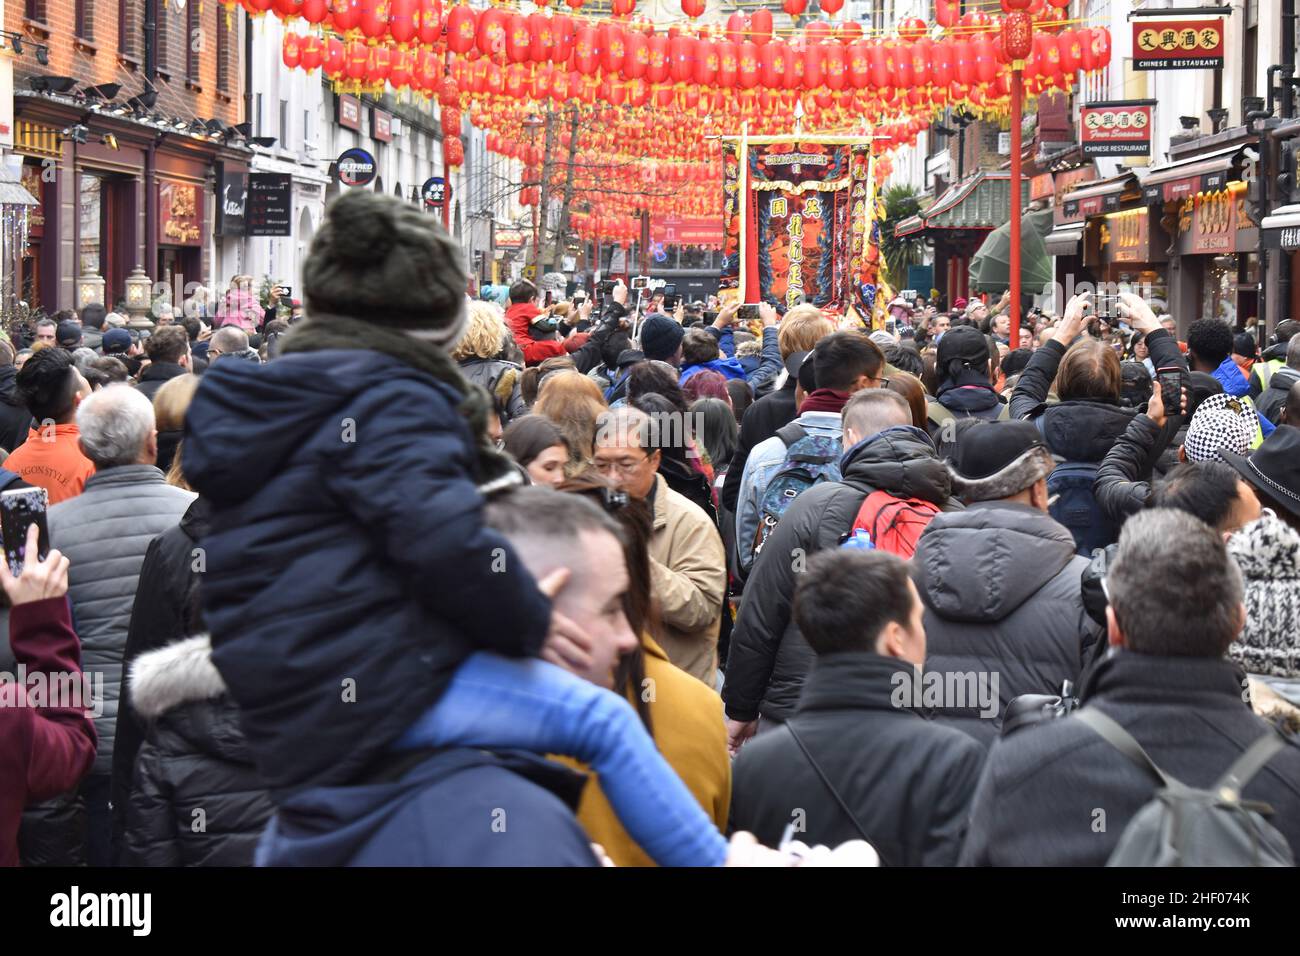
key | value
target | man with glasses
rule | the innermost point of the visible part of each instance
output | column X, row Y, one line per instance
column 688, row 567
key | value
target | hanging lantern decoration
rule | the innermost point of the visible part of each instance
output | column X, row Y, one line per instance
column 288, row 9
column 492, row 25
column 1017, row 35
column 831, row 7
column 399, row 74
column 346, row 15
column 657, row 69
column 373, row 20
column 621, row 8
column 518, row 40
column 760, row 26
column 462, row 29
column 692, row 8
column 736, row 27
column 335, row 57
column 453, row 152
column 358, row 59
column 911, row 29
column 945, row 13
column 428, row 21
column 312, row 51
column 315, row 11
column 794, row 8
column 291, row 50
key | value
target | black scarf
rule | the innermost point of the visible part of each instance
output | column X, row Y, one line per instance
column 322, row 331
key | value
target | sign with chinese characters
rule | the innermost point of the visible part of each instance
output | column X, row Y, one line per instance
column 436, row 193
column 1178, row 44
column 1209, row 222
column 1126, row 236
column 1117, row 129
column 180, row 214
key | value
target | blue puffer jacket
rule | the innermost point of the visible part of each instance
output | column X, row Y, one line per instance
column 348, row 570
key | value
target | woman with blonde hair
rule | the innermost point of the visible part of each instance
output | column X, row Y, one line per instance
column 170, row 403
column 478, row 354
column 573, row 402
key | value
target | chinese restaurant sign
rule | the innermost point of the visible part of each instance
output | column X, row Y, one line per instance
column 1178, row 44
column 1117, row 129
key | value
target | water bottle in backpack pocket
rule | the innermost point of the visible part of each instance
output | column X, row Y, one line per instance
column 890, row 523
column 809, row 460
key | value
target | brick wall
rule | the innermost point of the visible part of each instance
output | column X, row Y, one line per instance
column 114, row 56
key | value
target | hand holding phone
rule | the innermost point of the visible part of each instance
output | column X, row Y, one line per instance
column 1172, row 383
column 748, row 313
column 21, row 510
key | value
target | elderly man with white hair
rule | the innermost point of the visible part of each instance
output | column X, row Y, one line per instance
column 105, row 532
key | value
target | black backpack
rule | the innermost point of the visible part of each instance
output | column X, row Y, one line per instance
column 1187, row 826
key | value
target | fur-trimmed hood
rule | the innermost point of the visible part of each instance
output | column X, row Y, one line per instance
column 174, row 675
column 1034, row 464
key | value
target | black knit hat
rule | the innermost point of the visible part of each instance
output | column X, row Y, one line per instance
column 660, row 337
column 380, row 260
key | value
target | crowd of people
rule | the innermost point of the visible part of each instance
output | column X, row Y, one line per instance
column 607, row 579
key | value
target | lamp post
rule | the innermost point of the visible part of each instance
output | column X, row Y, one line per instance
column 1017, row 41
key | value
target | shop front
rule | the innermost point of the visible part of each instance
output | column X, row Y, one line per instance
column 1127, row 250
column 1201, row 201
column 1279, row 232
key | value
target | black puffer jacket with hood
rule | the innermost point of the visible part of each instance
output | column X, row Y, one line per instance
column 197, row 799
column 769, row 659
column 15, row 419
column 1000, row 584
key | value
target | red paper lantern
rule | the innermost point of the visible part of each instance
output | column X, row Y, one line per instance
column 911, row 29
column 335, row 57
column 621, row 8
column 1101, row 46
column 636, row 56
column 657, row 69
column 977, row 21
column 771, row 66
column 747, row 71
column 381, row 62
column 877, row 65
column 1058, row 4
column 345, row 15
column 541, row 39
column 315, row 11
column 453, row 152
column 399, row 76
column 836, row 67
column 1017, row 35
column 462, row 29
column 290, row 50
column 831, row 7
column 814, row 66
column 963, row 56
column 819, row 31
column 941, row 68
column 358, row 60
column 728, row 62
column 682, row 51
column 584, row 50
column 312, row 50
column 859, row 64
column 613, row 47
column 945, row 13
column 493, row 25
column 706, row 63
column 562, row 32
column 428, row 21
column 401, row 20
column 986, row 58
column 760, row 26
column 373, row 21
column 517, row 38
column 922, row 57
column 794, row 7
column 692, row 8
column 736, row 27
column 288, row 9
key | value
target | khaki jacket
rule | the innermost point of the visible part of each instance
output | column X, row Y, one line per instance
column 688, row 575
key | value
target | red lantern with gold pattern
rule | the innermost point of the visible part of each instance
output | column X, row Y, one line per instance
column 399, row 75
column 584, row 50
column 428, row 21
column 728, row 64
column 682, row 51
column 291, row 50
column 794, row 7
column 831, row 7
column 659, row 65
column 945, row 13
column 922, row 56
column 312, row 50
column 401, row 20
column 462, row 28
column 911, row 29
column 706, row 63
column 562, row 33
column 1017, row 35
column 358, row 59
column 941, row 68
column 760, row 26
column 621, row 8
column 373, row 21
column 315, row 11
column 345, row 15
column 518, row 41
column 453, row 152
column 381, row 63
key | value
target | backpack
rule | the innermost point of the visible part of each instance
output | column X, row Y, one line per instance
column 893, row 524
column 1187, row 826
column 809, row 460
column 1069, row 489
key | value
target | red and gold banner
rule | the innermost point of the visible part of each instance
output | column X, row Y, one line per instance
column 1178, row 44
column 798, row 215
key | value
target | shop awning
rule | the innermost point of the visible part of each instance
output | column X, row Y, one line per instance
column 1281, row 229
column 990, row 268
column 1096, row 197
column 982, row 201
column 1205, row 173
column 1064, row 240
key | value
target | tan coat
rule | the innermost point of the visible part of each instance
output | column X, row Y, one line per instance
column 688, row 731
column 688, row 576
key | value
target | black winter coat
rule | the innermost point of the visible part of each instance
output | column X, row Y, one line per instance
column 759, row 423
column 1042, row 788
column 769, row 659
column 15, row 419
column 908, row 781
column 197, row 800
column 157, row 374
column 500, row 380
column 166, row 610
column 1082, row 430
column 1000, row 584
column 347, row 555
column 1121, row 488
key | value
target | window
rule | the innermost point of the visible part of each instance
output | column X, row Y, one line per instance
column 306, row 128
column 223, row 46
column 1249, row 49
column 282, row 131
column 84, row 19
column 257, row 114
column 34, row 10
column 90, row 202
column 193, row 42
column 162, row 41
column 130, row 17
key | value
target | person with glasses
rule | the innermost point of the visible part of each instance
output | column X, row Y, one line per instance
column 687, row 561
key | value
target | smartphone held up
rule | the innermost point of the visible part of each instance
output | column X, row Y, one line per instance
column 20, row 508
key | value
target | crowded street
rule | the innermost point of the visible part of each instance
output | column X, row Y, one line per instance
column 649, row 433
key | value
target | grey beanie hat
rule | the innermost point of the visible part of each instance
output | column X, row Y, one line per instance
column 381, row 260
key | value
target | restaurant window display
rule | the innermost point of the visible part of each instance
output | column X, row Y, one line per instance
column 1216, row 235
column 1126, row 250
